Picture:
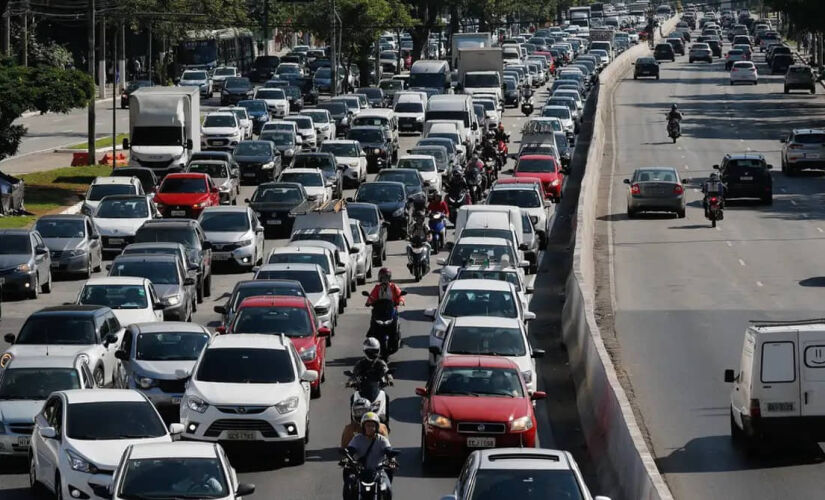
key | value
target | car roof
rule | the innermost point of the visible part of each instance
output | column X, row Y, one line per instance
column 745, row 156
column 75, row 396
column 43, row 361
column 799, row 131
column 186, row 175
column 340, row 141
column 462, row 360
column 68, row 216
column 261, row 283
column 362, row 204
column 524, row 459
column 114, row 180
column 273, row 301
column 487, row 321
column 303, row 171
column 176, row 449
column 300, row 249
column 84, row 309
column 481, row 240
column 116, row 280
column 241, row 209
column 537, row 157
column 290, row 266
column 157, row 244
column 146, row 257
column 170, row 326
column 247, row 340
column 477, row 284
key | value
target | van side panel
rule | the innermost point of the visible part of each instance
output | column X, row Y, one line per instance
column 812, row 372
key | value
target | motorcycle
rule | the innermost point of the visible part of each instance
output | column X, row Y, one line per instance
column 714, row 211
column 418, row 254
column 475, row 181
column 439, row 229
column 373, row 392
column 673, row 129
column 527, row 107
column 368, row 483
column 456, row 201
column 384, row 325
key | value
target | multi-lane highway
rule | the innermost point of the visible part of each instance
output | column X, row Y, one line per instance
column 684, row 292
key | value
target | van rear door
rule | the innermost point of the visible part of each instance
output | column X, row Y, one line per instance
column 812, row 372
column 777, row 385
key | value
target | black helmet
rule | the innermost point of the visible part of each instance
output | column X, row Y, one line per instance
column 674, row 107
column 714, row 176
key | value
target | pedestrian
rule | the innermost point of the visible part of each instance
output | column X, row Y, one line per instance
column 805, row 43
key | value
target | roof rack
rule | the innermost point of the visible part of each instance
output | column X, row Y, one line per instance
column 326, row 207
column 814, row 321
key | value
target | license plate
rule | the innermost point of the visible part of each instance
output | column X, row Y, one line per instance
column 23, row 441
column 175, row 401
column 746, row 178
column 481, row 442
column 177, row 213
column 812, row 156
column 249, row 174
column 220, row 255
column 780, row 406
column 240, row 435
column 219, row 143
column 116, row 241
column 274, row 222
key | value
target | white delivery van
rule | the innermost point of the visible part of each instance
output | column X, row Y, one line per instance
column 779, row 389
column 511, row 217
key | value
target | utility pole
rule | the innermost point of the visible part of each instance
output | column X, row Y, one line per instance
column 102, row 62
column 267, row 31
column 7, row 31
column 26, row 36
column 122, row 60
column 149, row 64
column 115, row 34
column 333, row 56
column 91, row 35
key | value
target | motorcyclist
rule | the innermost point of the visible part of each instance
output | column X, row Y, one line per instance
column 674, row 117
column 437, row 204
column 371, row 366
column 369, row 448
column 713, row 187
column 385, row 289
column 457, row 184
column 359, row 409
column 501, row 135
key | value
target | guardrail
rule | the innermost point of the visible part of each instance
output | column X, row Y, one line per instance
column 615, row 443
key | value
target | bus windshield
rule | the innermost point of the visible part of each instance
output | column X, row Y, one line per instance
column 197, row 52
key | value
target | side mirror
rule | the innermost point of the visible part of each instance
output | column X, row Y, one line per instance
column 334, row 289
column 548, row 203
column 215, row 190
column 122, row 355
column 110, row 339
column 221, row 330
column 537, row 395
column 176, row 429
column 783, row 140
column 730, row 376
column 189, row 144
column 219, row 309
column 245, row 489
column 48, row 432
column 524, row 263
column 523, row 247
column 421, row 391
column 190, row 281
column 309, row 376
column 403, row 292
column 435, row 350
column 770, row 167
column 246, row 200
column 9, row 337
column 158, row 306
column 353, row 250
column 350, row 199
column 430, row 312
column 626, row 181
column 125, row 143
column 348, row 373
column 324, row 331
column 41, row 250
column 529, row 316
column 235, row 172
column 538, row 353
column 365, row 293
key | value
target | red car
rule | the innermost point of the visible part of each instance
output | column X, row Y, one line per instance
column 476, row 402
column 551, row 63
column 292, row 316
column 525, row 180
column 186, row 195
column 544, row 167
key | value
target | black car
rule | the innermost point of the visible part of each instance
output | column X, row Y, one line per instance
column 391, row 200
column 746, row 176
column 259, row 161
column 715, row 47
column 257, row 111
column 512, row 93
column 25, row 263
column 410, row 177
column 374, row 227
column 264, row 67
column 296, row 100
column 375, row 96
column 133, row 85
column 308, row 89
column 188, row 233
column 235, row 90
column 328, row 165
column 664, row 52
column 677, row 44
column 646, row 66
column 274, row 201
column 780, row 63
column 340, row 113
column 376, row 144
column 146, row 176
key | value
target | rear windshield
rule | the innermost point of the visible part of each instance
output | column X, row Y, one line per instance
column 310, row 280
column 744, row 167
column 810, row 138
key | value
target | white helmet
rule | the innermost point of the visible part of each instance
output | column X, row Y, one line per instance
column 359, row 407
column 371, row 347
column 371, row 417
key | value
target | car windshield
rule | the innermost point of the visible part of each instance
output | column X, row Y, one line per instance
column 282, row 288
column 420, row 164
column 159, row 272
column 484, row 340
column 278, row 195
column 303, row 122
column 57, row 329
column 317, row 116
column 478, row 381
column 98, row 191
column 246, row 366
column 301, row 258
column 370, row 121
column 308, row 179
column 380, row 193
column 522, row 198
column 168, row 477
column 122, row 209
column 652, row 175
column 60, row 228
column 278, row 138
column 344, row 149
column 310, row 280
column 36, row 383
column 111, row 420
column 432, row 141
column 115, row 296
column 366, row 214
column 270, row 94
column 525, row 484
column 224, row 221
column 169, row 346
column 288, row 68
column 409, row 107
column 167, row 235
column 183, row 185
column 465, row 253
column 253, row 148
column 291, row 321
column 292, row 92
column 336, row 238
column 254, row 106
column 320, row 161
column 487, row 104
column 479, row 274
column 214, row 170
column 371, row 92
column 445, row 135
column 194, row 75
column 538, row 166
column 391, row 84
column 393, row 175
column 225, row 72
column 334, row 108
column 220, row 121
column 366, row 135
column 496, row 303
column 237, row 83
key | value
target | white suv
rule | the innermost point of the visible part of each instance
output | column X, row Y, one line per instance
column 249, row 387
column 221, row 131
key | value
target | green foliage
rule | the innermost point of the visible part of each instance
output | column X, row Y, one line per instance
column 805, row 15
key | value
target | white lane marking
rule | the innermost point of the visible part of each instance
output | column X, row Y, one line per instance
column 793, row 202
column 820, row 230
column 741, row 140
column 728, row 243
column 687, row 167
column 759, row 284
column 741, row 262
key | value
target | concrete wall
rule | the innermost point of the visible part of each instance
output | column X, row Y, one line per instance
column 623, row 462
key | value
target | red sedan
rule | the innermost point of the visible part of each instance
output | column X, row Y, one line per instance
column 186, row 195
column 476, row 402
column 544, row 167
column 292, row 316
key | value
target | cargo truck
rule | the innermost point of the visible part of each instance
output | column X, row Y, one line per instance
column 579, row 16
column 468, row 41
column 479, row 71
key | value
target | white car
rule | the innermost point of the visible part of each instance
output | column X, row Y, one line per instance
column 602, row 55
column 220, row 74
column 297, row 253
column 313, row 181
column 335, row 237
column 324, row 123
column 474, row 297
column 276, row 101
column 744, row 71
column 25, row 383
column 563, row 114
column 133, row 300
column 526, row 196
column 500, row 337
column 571, row 93
column 363, row 259
column 235, row 233
column 108, row 186
column 243, row 118
column 153, row 471
column 118, row 218
column 348, row 153
column 80, row 435
column 471, row 250
column 427, row 169
column 267, row 379
column 499, row 272
column 409, row 110
column 312, row 277
column 306, row 129
column 221, row 131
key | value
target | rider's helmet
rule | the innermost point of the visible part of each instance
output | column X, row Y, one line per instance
column 360, row 407
column 385, row 275
column 501, row 126
column 714, row 176
column 371, row 416
column 674, row 107
column 371, row 347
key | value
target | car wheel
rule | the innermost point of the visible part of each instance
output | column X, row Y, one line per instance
column 297, row 453
column 786, row 90
column 680, row 213
column 99, row 265
column 88, row 273
column 427, row 461
column 207, row 286
column 100, row 378
column 737, row 435
column 813, row 90
column 768, row 200
column 47, row 286
column 58, row 487
column 200, row 292
column 315, row 392
column 657, row 77
column 631, row 213
column 34, row 484
column 690, row 61
column 635, row 77
column 194, row 305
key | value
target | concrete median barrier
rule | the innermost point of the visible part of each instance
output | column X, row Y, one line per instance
column 624, row 464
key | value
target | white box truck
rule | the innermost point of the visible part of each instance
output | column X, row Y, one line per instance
column 468, row 41
column 164, row 128
column 479, row 71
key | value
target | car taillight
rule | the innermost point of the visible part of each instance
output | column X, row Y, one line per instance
column 634, row 189
column 754, row 409
column 677, row 189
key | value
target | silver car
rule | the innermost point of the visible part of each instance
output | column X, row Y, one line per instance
column 655, row 189
column 363, row 259
column 73, row 242
column 319, row 291
column 173, row 286
column 226, row 179
column 118, row 218
column 157, row 358
column 236, row 235
column 197, row 78
column 803, row 149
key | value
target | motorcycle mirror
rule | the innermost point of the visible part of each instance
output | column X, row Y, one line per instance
column 626, row 181
column 403, row 292
column 348, row 373
column 365, row 293
column 716, row 167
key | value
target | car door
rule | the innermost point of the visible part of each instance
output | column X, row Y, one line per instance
column 124, row 367
column 95, row 249
column 812, row 373
column 299, row 370
column 153, row 299
column 777, row 384
column 42, row 262
column 258, row 228
column 48, row 449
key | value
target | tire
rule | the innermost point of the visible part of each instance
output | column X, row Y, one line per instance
column 58, row 487
column 88, row 273
column 34, row 291
column 690, row 61
column 768, row 200
column 631, row 214
column 786, row 89
column 713, row 223
column 297, row 453
column 363, row 280
column 674, row 140
column 200, row 292
column 680, row 213
column 315, row 392
column 657, row 77
column 47, row 286
column 207, row 286
column 99, row 265
column 813, row 90
column 35, row 486
column 635, row 77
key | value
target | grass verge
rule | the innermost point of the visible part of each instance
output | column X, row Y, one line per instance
column 103, row 142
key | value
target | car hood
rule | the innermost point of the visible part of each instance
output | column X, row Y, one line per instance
column 252, row 159
column 226, row 236
column 105, row 454
column 167, row 290
column 387, row 207
column 275, row 205
column 480, row 408
column 315, row 190
column 181, row 198
column 14, row 260
column 275, row 102
column 129, row 316
column 161, row 370
column 241, row 394
column 32, row 350
column 119, row 227
column 543, row 176
column 218, row 130
column 61, row 244
column 19, row 411
column 192, row 83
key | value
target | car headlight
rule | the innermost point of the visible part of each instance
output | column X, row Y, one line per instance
column 172, row 300
column 377, row 151
column 268, row 166
column 259, row 214
column 521, row 424
column 399, row 212
column 224, row 188
column 80, row 464
column 5, row 358
column 196, row 404
column 419, row 118
column 262, row 118
column 199, row 205
column 439, row 421
column 245, row 243
column 288, row 405
column 24, row 268
column 224, row 92
column 439, row 333
column 372, row 238
column 555, row 182
column 145, row 382
column 527, row 375
column 308, row 353
column 74, row 253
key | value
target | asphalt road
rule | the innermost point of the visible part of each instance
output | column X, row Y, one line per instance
column 684, row 292
column 320, row 476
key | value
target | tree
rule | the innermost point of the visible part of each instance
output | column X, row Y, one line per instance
column 43, row 88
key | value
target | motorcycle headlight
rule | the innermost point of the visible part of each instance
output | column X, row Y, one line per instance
column 309, row 353
column 145, row 382
column 196, row 404
column 288, row 405
column 24, row 268
column 521, row 424
column 439, row 421
column 80, row 464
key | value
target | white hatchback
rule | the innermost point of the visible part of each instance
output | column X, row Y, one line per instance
column 425, row 164
column 744, row 71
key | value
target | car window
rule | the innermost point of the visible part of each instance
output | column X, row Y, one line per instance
column 109, row 420
column 482, row 340
column 459, row 303
column 479, row 381
column 816, row 138
column 246, row 366
column 291, row 321
column 36, row 383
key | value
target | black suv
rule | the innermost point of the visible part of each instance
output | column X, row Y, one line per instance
column 236, row 89
column 646, row 66
column 746, row 176
column 376, row 143
column 188, row 233
column 664, row 52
